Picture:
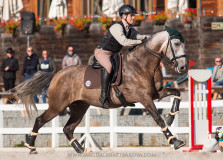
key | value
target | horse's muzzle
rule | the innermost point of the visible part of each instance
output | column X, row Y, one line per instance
column 181, row 69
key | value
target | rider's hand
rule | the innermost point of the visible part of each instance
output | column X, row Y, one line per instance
column 144, row 40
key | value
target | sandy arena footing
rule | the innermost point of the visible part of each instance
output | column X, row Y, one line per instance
column 139, row 153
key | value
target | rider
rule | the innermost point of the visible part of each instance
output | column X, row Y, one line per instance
column 120, row 34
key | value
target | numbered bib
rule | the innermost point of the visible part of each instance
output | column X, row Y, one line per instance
column 45, row 66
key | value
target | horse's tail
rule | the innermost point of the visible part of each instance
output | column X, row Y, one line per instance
column 31, row 87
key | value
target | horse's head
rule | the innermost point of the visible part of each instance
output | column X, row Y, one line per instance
column 175, row 50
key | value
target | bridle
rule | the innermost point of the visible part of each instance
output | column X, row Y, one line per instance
column 172, row 62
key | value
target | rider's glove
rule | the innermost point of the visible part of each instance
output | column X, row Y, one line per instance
column 144, row 40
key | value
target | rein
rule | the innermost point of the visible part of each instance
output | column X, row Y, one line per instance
column 171, row 62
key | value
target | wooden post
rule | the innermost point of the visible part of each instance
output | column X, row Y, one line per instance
column 76, row 8
column 31, row 6
column 220, row 7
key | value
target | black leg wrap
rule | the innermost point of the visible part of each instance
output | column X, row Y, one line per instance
column 171, row 139
column 32, row 141
column 175, row 106
column 174, row 110
column 168, row 135
column 31, row 145
column 76, row 145
column 169, row 119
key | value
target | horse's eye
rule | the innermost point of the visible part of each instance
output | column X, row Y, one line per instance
column 177, row 44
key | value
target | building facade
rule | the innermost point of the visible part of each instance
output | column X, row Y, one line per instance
column 90, row 7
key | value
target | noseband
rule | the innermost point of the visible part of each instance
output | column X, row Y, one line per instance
column 172, row 62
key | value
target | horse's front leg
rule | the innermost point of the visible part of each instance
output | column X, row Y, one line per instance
column 151, row 108
column 176, row 103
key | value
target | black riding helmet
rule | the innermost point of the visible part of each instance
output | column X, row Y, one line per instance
column 127, row 9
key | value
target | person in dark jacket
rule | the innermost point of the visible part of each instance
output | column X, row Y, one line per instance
column 9, row 67
column 46, row 64
column 30, row 66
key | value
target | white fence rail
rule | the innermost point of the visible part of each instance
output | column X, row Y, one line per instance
column 112, row 129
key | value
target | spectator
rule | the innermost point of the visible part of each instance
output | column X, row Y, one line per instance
column 9, row 67
column 30, row 65
column 217, row 76
column 71, row 58
column 46, row 64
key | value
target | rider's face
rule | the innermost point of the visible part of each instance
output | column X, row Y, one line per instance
column 130, row 18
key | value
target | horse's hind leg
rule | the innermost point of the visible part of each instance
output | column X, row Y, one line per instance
column 40, row 121
column 77, row 110
column 151, row 108
column 176, row 103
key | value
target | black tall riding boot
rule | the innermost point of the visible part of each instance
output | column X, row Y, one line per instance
column 104, row 98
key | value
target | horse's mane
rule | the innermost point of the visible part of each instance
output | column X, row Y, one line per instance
column 132, row 49
column 157, row 32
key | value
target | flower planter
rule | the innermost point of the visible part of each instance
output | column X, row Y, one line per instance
column 63, row 28
column 6, row 35
column 37, row 28
column 188, row 22
column 160, row 22
column 59, row 34
column 137, row 23
column 86, row 27
column 108, row 25
column 2, row 30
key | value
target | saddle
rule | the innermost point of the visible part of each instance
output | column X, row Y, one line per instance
column 92, row 76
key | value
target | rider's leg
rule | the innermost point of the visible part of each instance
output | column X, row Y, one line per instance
column 105, row 88
column 103, row 57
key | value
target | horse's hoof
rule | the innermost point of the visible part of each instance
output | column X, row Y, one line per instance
column 33, row 151
column 178, row 144
column 78, row 148
column 169, row 119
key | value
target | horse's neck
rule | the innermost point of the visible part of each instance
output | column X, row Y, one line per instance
column 142, row 58
column 158, row 42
